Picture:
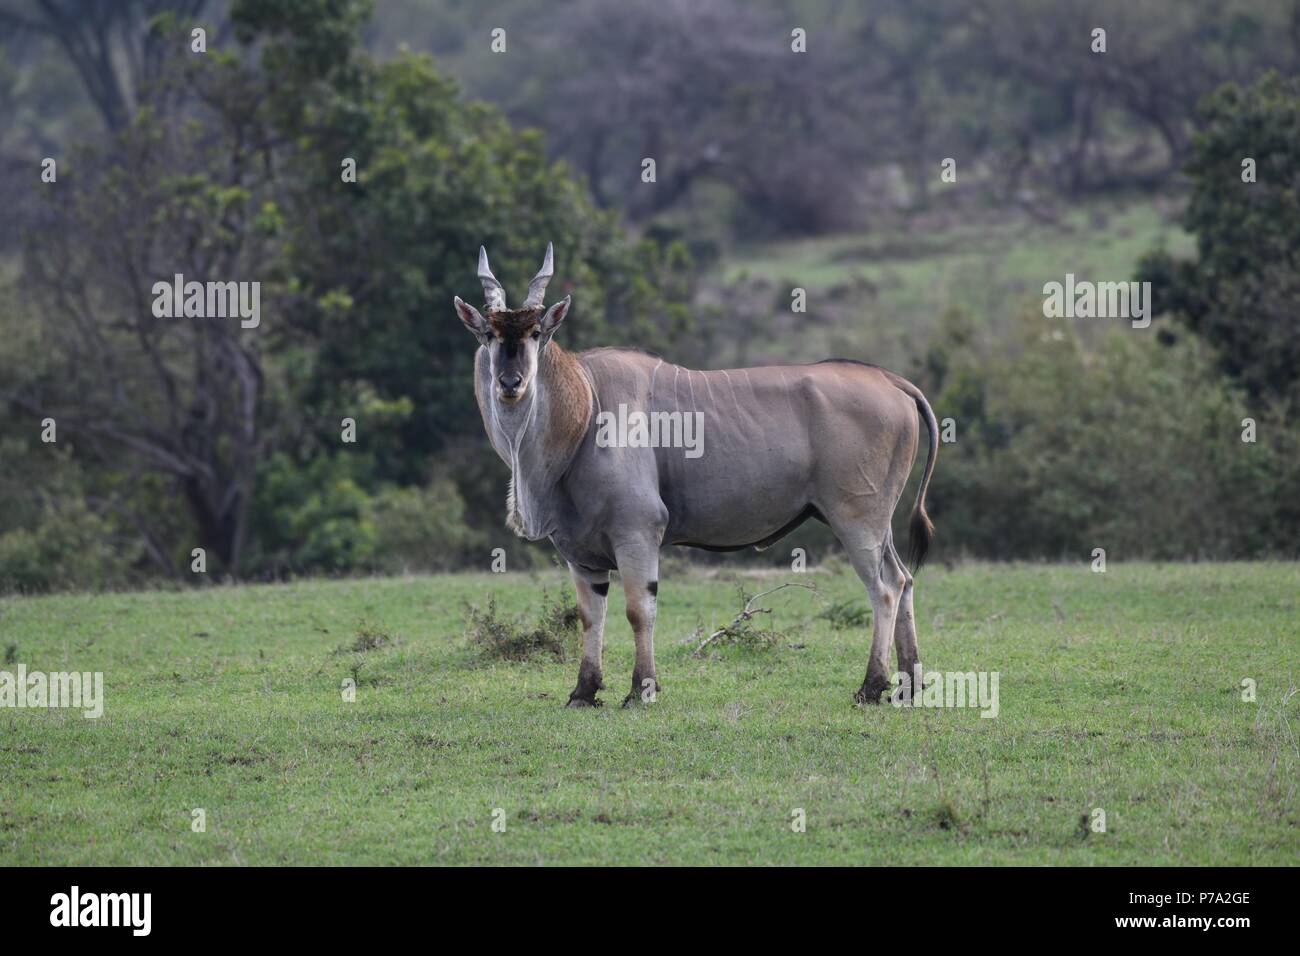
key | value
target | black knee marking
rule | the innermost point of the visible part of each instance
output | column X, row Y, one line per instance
column 601, row 589
column 653, row 588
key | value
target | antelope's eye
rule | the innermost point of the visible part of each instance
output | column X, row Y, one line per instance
column 537, row 334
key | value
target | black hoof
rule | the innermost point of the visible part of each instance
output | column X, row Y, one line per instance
column 641, row 693
column 909, row 688
column 585, row 702
column 869, row 692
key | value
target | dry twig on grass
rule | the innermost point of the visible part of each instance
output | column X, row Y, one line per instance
column 747, row 612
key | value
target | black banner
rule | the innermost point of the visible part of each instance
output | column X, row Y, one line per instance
column 902, row 905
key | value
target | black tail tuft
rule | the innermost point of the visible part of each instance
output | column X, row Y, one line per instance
column 920, row 532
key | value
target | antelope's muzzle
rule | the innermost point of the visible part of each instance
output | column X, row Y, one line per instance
column 510, row 384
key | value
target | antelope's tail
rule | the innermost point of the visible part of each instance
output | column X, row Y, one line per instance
column 920, row 530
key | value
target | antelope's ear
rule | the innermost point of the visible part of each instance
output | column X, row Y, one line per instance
column 555, row 315
column 473, row 321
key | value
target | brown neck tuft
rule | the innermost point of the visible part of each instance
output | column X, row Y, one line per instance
column 569, row 399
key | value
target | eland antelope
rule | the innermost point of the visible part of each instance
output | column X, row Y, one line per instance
column 833, row 441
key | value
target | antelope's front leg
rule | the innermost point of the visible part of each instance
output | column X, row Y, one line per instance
column 592, row 588
column 639, row 571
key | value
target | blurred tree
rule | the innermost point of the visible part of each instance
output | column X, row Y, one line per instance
column 1088, row 112
column 1242, row 292
column 714, row 93
column 709, row 89
column 112, row 43
column 231, row 171
column 181, row 394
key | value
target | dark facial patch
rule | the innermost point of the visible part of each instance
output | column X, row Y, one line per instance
column 513, row 326
column 653, row 588
column 602, row 589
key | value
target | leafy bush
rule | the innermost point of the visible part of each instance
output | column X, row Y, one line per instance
column 423, row 529
column 70, row 548
column 1127, row 446
column 310, row 517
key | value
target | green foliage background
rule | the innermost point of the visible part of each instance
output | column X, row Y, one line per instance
column 1067, row 438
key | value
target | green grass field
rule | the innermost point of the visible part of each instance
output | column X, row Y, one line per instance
column 1119, row 691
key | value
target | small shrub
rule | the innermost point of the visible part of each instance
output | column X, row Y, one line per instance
column 561, row 616
column 843, row 615
column 369, row 639
column 746, row 636
column 501, row 638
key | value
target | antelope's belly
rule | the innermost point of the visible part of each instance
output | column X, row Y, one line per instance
column 734, row 504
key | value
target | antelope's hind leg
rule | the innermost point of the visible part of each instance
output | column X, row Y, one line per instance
column 909, row 657
column 592, row 589
column 869, row 554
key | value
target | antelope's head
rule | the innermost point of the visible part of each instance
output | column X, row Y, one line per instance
column 514, row 338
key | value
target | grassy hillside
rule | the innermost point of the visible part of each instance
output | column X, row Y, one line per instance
column 884, row 294
column 1102, row 238
column 1118, row 691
